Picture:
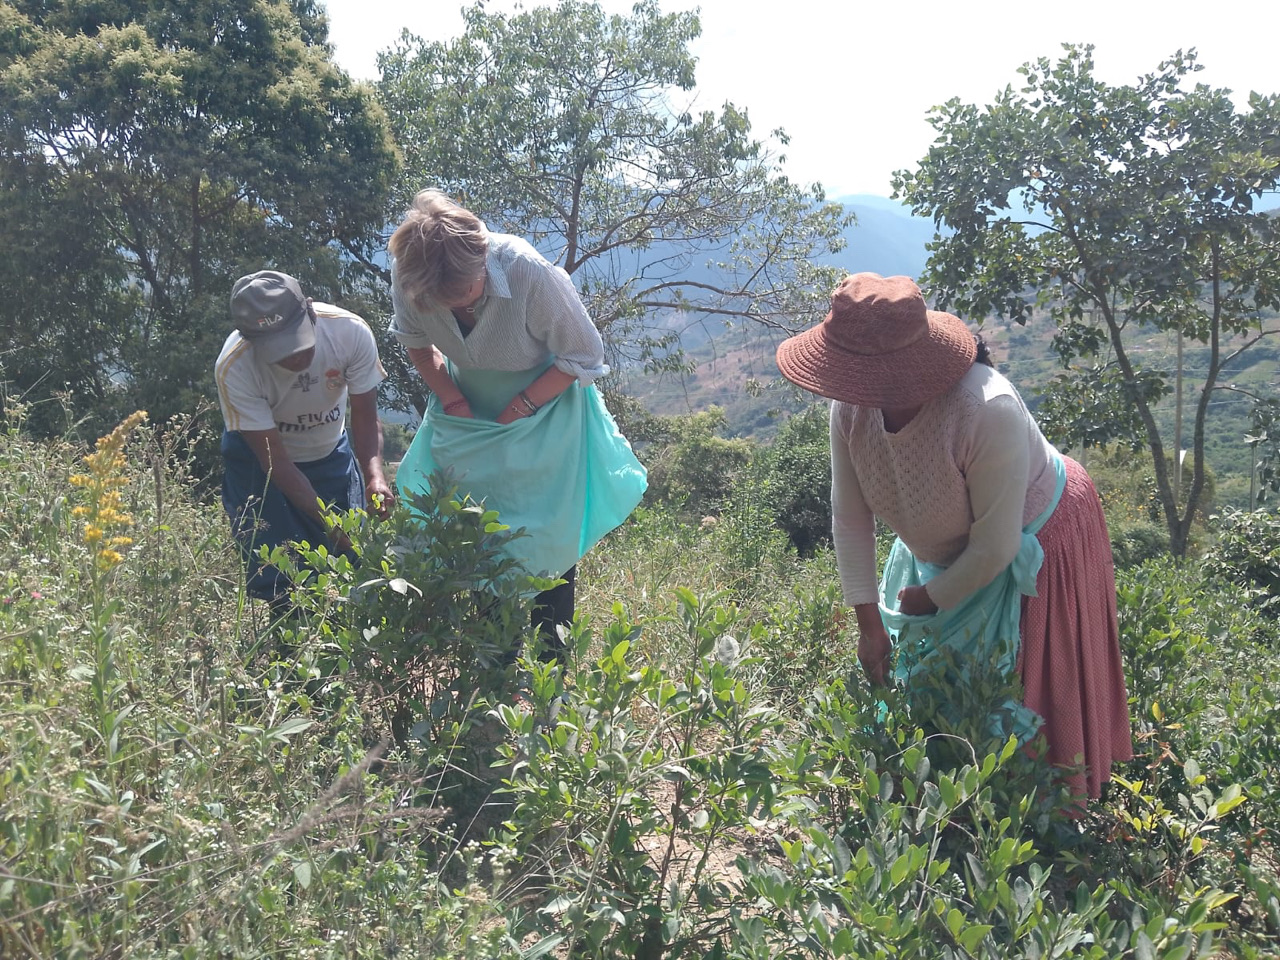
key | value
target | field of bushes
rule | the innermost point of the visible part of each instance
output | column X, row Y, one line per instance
column 708, row 776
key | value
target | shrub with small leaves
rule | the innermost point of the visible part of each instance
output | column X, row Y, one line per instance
column 1246, row 556
column 630, row 779
column 430, row 616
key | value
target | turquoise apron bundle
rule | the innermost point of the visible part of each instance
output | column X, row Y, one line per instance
column 565, row 474
column 984, row 628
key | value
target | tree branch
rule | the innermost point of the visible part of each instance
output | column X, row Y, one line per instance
column 1250, row 343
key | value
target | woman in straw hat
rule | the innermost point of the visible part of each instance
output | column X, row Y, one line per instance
column 1002, row 547
column 502, row 340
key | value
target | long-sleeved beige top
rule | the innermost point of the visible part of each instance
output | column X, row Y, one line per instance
column 956, row 484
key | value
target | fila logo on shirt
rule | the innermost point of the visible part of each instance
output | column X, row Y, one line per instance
column 309, row 421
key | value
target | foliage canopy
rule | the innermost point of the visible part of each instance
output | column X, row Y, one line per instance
column 151, row 153
column 1123, row 211
column 583, row 132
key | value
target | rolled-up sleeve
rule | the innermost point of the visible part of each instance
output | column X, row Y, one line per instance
column 555, row 316
column 406, row 326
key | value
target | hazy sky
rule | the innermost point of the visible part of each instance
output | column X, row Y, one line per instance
column 850, row 82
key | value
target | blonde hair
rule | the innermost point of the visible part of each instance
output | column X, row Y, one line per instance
column 439, row 248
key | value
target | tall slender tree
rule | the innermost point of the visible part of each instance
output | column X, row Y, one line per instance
column 1122, row 211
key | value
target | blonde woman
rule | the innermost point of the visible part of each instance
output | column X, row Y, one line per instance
column 503, row 342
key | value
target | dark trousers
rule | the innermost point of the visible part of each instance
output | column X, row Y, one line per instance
column 261, row 514
column 552, row 607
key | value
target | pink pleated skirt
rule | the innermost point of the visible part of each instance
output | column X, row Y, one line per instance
column 1070, row 655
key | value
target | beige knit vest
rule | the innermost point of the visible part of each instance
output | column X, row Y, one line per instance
column 912, row 480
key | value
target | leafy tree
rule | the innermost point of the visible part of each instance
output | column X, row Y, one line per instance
column 798, row 466
column 1124, row 211
column 151, row 151
column 1126, row 483
column 581, row 131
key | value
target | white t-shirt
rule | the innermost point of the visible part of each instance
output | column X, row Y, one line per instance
column 308, row 408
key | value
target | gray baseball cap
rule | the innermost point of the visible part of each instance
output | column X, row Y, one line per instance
column 269, row 310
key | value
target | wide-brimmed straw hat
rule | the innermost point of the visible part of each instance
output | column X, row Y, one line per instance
column 879, row 346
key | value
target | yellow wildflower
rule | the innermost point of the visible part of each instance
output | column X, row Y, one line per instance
column 102, row 511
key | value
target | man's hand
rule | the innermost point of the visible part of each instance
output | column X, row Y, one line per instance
column 915, row 602
column 380, row 497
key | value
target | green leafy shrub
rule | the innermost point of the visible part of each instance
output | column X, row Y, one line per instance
column 1246, row 556
column 696, row 469
column 798, row 469
column 179, row 776
column 624, row 797
column 430, row 619
column 893, row 855
column 1163, row 656
column 1197, row 799
column 756, row 554
column 806, row 640
column 1133, row 544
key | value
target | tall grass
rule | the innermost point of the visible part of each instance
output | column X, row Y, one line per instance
column 708, row 776
column 167, row 787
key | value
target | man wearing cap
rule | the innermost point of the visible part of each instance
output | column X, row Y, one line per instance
column 284, row 377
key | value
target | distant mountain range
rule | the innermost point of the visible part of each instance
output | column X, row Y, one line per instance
column 886, row 239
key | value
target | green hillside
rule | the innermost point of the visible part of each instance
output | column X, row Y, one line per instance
column 708, row 776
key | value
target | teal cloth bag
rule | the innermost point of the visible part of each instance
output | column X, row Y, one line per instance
column 984, row 627
column 566, row 474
